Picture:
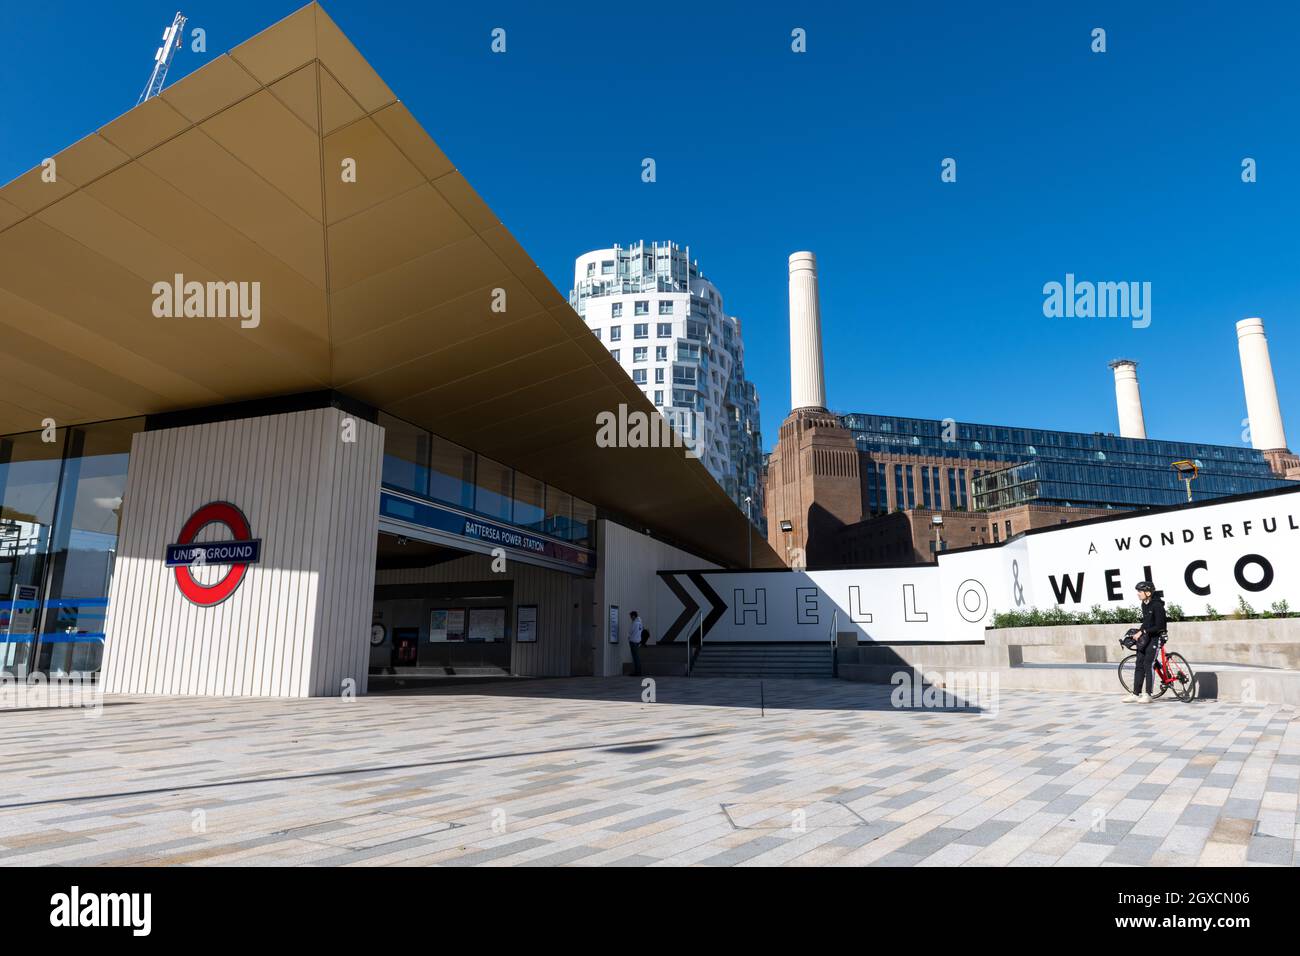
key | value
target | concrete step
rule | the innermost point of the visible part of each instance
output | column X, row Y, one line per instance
column 719, row 666
column 823, row 658
column 714, row 665
column 1067, row 653
column 763, row 660
column 769, row 674
column 1214, row 681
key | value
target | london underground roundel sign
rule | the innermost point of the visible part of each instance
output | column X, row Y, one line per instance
column 235, row 553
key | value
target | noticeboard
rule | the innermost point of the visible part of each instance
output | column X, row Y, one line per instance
column 526, row 625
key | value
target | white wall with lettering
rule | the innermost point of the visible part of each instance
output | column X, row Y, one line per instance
column 1199, row 556
column 1213, row 555
column 878, row 604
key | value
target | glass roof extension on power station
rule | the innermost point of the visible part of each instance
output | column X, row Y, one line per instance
column 1059, row 467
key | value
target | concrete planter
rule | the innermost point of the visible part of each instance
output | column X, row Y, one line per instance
column 1247, row 660
column 1271, row 642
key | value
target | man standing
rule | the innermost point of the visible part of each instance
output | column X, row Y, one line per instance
column 634, row 642
column 1154, row 625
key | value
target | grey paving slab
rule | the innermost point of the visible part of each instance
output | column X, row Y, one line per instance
column 932, row 840
column 739, row 854
column 1134, row 849
column 898, row 859
column 865, row 833
column 573, row 854
column 1110, row 835
column 635, row 823
column 1147, row 791
column 987, row 832
column 1265, row 849
column 1197, row 814
column 1243, row 809
column 497, row 852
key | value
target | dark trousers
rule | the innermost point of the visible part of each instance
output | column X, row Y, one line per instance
column 636, row 658
column 1146, row 659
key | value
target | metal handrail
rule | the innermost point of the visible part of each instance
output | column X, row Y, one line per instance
column 699, row 616
column 835, row 624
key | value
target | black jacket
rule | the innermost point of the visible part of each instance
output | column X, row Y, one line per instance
column 1154, row 622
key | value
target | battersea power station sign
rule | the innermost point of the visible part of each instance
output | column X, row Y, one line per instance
column 1201, row 557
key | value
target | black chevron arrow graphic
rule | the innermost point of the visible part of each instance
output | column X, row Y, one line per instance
column 689, row 607
column 719, row 605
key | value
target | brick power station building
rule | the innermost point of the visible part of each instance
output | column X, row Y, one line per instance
column 858, row 489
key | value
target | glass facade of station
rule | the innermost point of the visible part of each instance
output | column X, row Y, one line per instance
column 420, row 463
column 60, row 513
column 1068, row 468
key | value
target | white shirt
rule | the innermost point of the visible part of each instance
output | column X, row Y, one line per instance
column 634, row 633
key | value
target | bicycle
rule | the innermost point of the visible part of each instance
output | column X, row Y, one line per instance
column 1171, row 669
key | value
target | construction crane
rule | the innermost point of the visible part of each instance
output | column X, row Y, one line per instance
column 171, row 42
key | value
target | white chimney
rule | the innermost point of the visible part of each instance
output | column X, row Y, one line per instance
column 807, row 380
column 1261, row 393
column 1128, row 399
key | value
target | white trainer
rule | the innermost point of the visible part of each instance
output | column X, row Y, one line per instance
column 1145, row 698
column 1130, row 698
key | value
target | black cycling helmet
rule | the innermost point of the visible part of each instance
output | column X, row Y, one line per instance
column 1146, row 586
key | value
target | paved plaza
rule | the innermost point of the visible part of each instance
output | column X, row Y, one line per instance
column 716, row 772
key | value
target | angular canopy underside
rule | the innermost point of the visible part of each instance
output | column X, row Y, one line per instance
column 382, row 287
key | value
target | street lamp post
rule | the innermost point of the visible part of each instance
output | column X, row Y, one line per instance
column 749, row 532
column 1187, row 471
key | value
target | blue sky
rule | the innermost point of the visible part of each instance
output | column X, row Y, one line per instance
column 1122, row 166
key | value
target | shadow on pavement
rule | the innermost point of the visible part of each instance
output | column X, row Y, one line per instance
column 732, row 692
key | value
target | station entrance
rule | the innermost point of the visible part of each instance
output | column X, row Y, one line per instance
column 436, row 627
column 442, row 611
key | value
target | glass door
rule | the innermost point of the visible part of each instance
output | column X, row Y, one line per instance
column 83, row 548
column 29, row 481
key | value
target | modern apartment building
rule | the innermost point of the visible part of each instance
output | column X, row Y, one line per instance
column 663, row 321
column 744, row 480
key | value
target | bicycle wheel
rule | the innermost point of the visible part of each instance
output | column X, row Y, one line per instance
column 1184, row 685
column 1127, row 667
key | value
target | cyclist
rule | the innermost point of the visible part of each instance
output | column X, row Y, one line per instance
column 1154, row 626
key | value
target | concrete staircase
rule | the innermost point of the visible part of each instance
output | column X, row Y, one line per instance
column 763, row 660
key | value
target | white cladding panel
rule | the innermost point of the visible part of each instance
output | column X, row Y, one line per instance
column 626, row 578
column 298, row 625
